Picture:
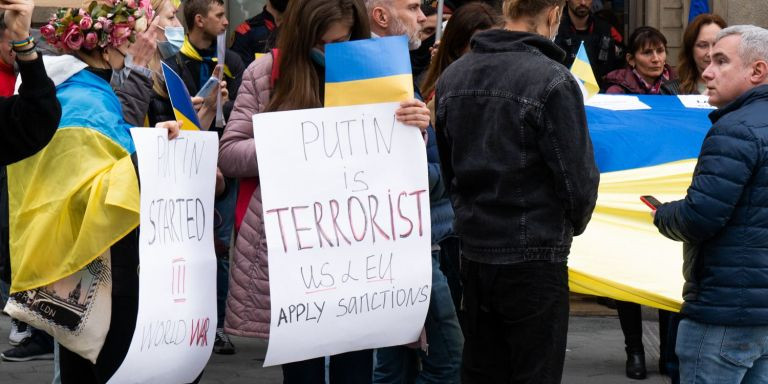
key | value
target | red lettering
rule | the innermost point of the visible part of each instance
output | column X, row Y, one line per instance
column 418, row 207
column 334, row 217
column 400, row 212
column 351, row 223
column 373, row 211
column 320, row 232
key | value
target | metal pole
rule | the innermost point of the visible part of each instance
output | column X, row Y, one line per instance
column 439, row 26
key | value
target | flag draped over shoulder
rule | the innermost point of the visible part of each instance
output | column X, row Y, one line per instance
column 180, row 100
column 643, row 152
column 583, row 72
column 79, row 195
column 368, row 71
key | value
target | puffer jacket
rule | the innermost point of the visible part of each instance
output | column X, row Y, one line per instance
column 722, row 219
column 248, row 303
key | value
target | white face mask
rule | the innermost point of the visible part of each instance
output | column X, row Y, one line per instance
column 174, row 40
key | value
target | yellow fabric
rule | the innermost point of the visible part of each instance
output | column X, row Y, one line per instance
column 621, row 254
column 584, row 72
column 69, row 206
column 378, row 90
column 187, row 125
column 188, row 50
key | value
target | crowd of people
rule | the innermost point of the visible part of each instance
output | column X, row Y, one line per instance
column 511, row 170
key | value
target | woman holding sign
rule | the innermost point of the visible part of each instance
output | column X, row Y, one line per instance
column 291, row 78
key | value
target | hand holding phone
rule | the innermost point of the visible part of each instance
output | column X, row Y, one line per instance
column 650, row 201
column 208, row 87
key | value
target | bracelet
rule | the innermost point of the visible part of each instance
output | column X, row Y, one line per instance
column 23, row 51
column 28, row 52
column 23, row 43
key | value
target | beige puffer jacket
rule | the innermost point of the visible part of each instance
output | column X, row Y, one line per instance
column 248, row 307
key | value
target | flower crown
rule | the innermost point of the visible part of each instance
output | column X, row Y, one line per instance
column 101, row 25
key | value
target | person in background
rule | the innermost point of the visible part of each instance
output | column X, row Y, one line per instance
column 259, row 33
column 7, row 61
column 698, row 39
column 647, row 73
column 421, row 57
column 602, row 41
column 440, row 360
column 721, row 221
column 465, row 22
column 519, row 165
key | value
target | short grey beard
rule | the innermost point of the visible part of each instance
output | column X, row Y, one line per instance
column 399, row 28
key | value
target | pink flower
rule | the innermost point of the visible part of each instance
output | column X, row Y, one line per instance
column 120, row 34
column 130, row 3
column 73, row 37
column 106, row 24
column 81, row 12
column 91, row 40
column 86, row 23
column 48, row 32
column 146, row 5
column 97, row 25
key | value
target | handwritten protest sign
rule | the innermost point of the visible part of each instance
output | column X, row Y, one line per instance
column 176, row 321
column 346, row 211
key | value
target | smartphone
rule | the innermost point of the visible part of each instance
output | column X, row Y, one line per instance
column 650, row 201
column 208, row 87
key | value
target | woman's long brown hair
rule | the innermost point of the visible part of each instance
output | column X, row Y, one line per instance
column 686, row 67
column 467, row 20
column 305, row 22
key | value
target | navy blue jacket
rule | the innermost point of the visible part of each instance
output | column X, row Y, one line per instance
column 723, row 219
column 515, row 149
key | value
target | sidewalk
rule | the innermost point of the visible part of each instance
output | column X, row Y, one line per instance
column 595, row 355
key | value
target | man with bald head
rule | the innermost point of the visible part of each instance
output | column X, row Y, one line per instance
column 723, row 222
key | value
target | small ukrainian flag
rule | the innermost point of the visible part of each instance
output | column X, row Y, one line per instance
column 180, row 99
column 583, row 72
column 368, row 71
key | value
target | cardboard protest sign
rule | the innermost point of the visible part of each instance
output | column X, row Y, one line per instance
column 176, row 321
column 346, row 211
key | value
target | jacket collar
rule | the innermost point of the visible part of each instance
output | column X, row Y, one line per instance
column 757, row 93
column 501, row 40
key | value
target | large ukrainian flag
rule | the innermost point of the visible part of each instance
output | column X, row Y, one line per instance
column 644, row 152
column 79, row 195
column 180, row 100
column 368, row 71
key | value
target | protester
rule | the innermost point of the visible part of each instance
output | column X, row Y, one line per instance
column 259, row 33
column 465, row 22
column 647, row 71
column 439, row 362
column 27, row 123
column 698, row 39
column 272, row 83
column 88, row 101
column 602, row 41
column 721, row 221
column 518, row 160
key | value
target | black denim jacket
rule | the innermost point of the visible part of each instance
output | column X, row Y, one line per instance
column 515, row 149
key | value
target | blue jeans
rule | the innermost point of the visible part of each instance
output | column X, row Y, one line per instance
column 225, row 206
column 722, row 354
column 442, row 362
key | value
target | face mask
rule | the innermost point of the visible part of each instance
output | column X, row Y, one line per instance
column 317, row 56
column 175, row 39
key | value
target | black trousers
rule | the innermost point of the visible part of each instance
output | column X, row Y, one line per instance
column 345, row 368
column 516, row 322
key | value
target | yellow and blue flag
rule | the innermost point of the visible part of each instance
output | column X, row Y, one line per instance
column 583, row 72
column 368, row 71
column 642, row 152
column 697, row 7
column 79, row 195
column 180, row 99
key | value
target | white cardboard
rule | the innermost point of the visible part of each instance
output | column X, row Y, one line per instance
column 176, row 323
column 330, row 295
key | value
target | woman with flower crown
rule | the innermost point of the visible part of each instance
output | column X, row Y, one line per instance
column 79, row 196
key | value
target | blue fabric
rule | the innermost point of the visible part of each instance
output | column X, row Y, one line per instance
column 722, row 219
column 442, row 362
column 698, row 7
column 350, row 61
column 90, row 102
column 633, row 139
column 715, row 354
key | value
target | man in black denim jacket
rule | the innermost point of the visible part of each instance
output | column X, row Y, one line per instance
column 518, row 160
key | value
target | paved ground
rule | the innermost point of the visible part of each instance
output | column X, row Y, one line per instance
column 595, row 355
